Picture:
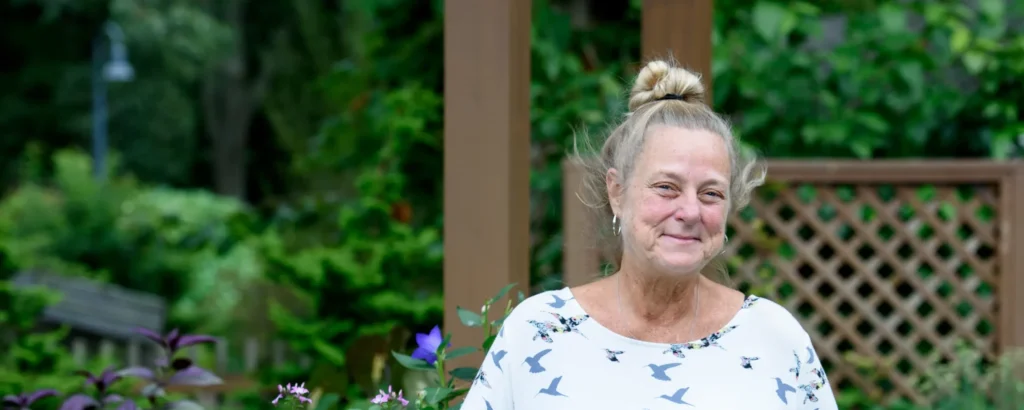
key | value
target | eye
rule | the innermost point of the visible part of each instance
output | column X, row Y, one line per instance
column 715, row 194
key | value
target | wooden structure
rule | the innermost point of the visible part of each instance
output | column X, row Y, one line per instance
column 487, row 137
column 98, row 309
column 895, row 261
column 486, row 148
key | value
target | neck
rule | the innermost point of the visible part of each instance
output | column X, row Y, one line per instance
column 658, row 300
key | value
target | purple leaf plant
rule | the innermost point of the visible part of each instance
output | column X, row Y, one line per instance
column 24, row 401
column 167, row 371
column 102, row 398
column 172, row 371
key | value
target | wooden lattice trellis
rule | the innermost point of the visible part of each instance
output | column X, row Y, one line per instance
column 891, row 262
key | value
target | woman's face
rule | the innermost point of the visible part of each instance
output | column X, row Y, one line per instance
column 674, row 205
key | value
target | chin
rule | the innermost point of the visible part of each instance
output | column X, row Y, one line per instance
column 681, row 264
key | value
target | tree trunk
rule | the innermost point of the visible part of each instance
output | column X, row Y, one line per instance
column 230, row 96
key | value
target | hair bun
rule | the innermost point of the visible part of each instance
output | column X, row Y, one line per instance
column 660, row 78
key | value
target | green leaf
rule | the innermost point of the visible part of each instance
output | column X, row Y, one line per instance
column 974, row 62
column 456, row 407
column 328, row 401
column 444, row 344
column 434, row 395
column 412, row 363
column 768, row 19
column 960, row 39
column 462, row 351
column 489, row 341
column 521, row 296
column 502, row 292
column 333, row 354
column 464, row 373
column 468, row 318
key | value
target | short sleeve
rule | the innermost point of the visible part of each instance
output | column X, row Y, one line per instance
column 816, row 391
column 492, row 387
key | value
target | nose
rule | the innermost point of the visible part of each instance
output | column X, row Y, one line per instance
column 687, row 208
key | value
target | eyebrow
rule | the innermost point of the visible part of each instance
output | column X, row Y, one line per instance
column 716, row 178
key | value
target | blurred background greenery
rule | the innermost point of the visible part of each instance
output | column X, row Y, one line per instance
column 277, row 166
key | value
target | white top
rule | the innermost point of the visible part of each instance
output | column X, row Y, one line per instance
column 549, row 354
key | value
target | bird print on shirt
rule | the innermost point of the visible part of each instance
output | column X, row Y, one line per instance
column 613, row 355
column 482, row 379
column 782, row 388
column 496, row 358
column 552, row 389
column 547, row 328
column 811, row 388
column 658, row 371
column 796, row 369
column 534, row 361
column 710, row 341
column 677, row 398
column 558, row 303
column 747, row 362
column 810, row 355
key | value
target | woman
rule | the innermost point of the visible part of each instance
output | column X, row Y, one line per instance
column 658, row 334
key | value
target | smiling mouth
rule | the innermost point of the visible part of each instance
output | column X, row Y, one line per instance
column 683, row 238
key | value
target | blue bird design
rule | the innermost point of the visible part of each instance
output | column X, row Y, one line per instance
column 534, row 361
column 496, row 358
column 810, row 355
column 677, row 398
column 658, row 372
column 552, row 389
column 488, row 405
column 558, row 302
column 783, row 388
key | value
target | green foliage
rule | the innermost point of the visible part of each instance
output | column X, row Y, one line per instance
column 190, row 247
column 969, row 381
column 802, row 80
column 32, row 359
column 443, row 390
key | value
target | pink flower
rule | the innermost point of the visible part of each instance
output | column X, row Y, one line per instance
column 298, row 391
column 389, row 396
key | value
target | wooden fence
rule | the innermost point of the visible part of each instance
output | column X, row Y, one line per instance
column 233, row 361
column 894, row 261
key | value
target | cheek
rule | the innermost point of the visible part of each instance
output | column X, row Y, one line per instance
column 714, row 219
column 652, row 209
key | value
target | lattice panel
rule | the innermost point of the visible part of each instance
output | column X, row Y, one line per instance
column 894, row 274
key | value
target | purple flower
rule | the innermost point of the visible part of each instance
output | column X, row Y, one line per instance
column 427, row 345
column 25, row 400
column 298, row 391
column 174, row 340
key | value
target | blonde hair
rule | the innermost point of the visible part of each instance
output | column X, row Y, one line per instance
column 662, row 94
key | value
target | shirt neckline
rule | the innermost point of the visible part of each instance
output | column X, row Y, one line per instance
column 606, row 333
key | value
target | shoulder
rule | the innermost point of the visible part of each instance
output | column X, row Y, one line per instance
column 774, row 321
column 543, row 306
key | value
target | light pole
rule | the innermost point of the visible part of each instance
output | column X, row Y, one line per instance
column 109, row 64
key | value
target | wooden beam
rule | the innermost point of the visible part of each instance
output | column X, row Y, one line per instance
column 486, row 156
column 580, row 248
column 680, row 29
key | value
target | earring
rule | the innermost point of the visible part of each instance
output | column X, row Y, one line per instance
column 726, row 238
column 616, row 228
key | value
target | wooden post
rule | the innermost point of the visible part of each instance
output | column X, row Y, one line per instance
column 1011, row 275
column 681, row 29
column 581, row 261
column 486, row 156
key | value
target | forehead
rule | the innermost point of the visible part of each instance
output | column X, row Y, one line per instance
column 681, row 151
